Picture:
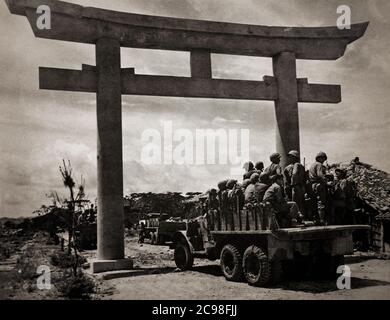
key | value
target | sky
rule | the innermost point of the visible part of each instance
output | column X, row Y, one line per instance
column 39, row 128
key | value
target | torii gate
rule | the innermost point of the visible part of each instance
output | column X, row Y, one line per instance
column 111, row 30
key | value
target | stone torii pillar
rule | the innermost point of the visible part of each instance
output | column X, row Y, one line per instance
column 287, row 128
column 109, row 150
column 111, row 30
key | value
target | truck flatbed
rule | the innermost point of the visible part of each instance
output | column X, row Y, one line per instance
column 250, row 244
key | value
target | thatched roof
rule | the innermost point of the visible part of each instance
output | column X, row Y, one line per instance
column 373, row 186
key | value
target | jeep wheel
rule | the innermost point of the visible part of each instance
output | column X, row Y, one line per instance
column 257, row 268
column 231, row 263
column 183, row 256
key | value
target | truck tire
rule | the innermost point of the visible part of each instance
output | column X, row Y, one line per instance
column 256, row 267
column 153, row 238
column 231, row 263
column 184, row 259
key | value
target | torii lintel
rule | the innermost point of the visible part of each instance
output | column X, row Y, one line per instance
column 153, row 32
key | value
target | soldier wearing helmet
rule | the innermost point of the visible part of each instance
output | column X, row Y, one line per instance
column 245, row 184
column 257, row 188
column 250, row 190
column 295, row 180
column 212, row 200
column 274, row 168
column 231, row 184
column 288, row 214
column 259, row 167
column 262, row 186
column 317, row 178
column 249, row 170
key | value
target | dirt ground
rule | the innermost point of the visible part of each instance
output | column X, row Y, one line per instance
column 156, row 277
column 18, row 268
column 159, row 279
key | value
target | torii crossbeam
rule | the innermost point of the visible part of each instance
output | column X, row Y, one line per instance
column 110, row 30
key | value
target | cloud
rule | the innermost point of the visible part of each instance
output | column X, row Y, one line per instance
column 223, row 120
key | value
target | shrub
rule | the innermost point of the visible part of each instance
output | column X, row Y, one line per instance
column 65, row 261
column 27, row 266
column 5, row 251
column 75, row 287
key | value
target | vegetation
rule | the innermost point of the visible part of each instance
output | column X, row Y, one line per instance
column 175, row 204
column 77, row 286
column 65, row 260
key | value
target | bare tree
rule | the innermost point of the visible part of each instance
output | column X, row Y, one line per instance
column 68, row 181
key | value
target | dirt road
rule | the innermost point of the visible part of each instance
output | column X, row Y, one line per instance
column 370, row 280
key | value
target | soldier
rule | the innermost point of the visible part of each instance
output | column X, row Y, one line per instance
column 92, row 215
column 211, row 210
column 212, row 200
column 338, row 198
column 245, row 184
column 224, row 202
column 231, row 184
column 274, row 168
column 249, row 170
column 259, row 167
column 262, row 186
column 223, row 195
column 287, row 212
column 231, row 187
column 343, row 200
column 239, row 193
column 82, row 218
column 256, row 190
column 295, row 180
column 319, row 184
column 142, row 233
column 250, row 189
column 287, row 174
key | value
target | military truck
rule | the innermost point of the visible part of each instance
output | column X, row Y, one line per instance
column 251, row 246
column 86, row 236
column 160, row 228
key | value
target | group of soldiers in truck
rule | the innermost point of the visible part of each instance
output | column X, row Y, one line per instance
column 296, row 195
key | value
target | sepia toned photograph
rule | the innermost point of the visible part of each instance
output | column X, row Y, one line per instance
column 194, row 151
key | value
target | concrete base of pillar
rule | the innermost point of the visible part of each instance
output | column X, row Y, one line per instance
column 98, row 266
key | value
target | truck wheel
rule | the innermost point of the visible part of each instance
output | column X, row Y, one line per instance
column 257, row 268
column 231, row 263
column 152, row 238
column 183, row 256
